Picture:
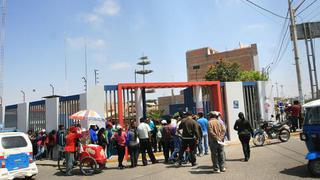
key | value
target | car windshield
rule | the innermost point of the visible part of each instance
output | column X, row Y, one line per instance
column 13, row 142
column 312, row 115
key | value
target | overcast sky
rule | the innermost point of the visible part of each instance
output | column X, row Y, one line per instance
column 40, row 33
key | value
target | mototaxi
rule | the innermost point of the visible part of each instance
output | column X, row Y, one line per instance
column 311, row 135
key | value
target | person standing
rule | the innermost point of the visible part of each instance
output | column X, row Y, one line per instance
column 144, row 133
column 133, row 144
column 108, row 135
column 216, row 132
column 51, row 142
column 295, row 115
column 190, row 138
column 93, row 134
column 71, row 148
column 154, row 129
column 168, row 133
column 102, row 140
column 120, row 137
column 61, row 140
column 203, row 122
column 245, row 132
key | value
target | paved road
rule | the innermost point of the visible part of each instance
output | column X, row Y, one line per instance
column 273, row 161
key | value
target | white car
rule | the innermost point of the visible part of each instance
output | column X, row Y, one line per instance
column 16, row 156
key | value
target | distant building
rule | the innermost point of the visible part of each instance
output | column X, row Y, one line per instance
column 200, row 60
column 165, row 102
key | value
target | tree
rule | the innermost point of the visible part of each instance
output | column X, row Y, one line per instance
column 224, row 71
column 252, row 76
column 155, row 114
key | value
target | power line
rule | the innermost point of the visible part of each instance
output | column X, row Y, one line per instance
column 307, row 7
column 266, row 9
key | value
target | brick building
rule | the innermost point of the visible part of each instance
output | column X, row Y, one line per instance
column 199, row 60
column 165, row 102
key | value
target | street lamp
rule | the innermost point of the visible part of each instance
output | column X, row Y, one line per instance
column 85, row 83
column 23, row 96
column 52, row 89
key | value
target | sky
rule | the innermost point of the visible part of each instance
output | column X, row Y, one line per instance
column 42, row 34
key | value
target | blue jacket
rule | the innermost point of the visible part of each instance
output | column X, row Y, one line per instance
column 93, row 136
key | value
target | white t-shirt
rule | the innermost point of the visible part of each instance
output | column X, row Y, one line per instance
column 143, row 130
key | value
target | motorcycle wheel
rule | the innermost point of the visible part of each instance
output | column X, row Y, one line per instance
column 314, row 167
column 284, row 135
column 259, row 139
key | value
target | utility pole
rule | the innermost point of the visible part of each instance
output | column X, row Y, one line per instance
column 23, row 96
column 96, row 73
column 295, row 48
column 52, row 88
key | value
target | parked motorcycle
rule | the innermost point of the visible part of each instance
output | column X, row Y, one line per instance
column 269, row 130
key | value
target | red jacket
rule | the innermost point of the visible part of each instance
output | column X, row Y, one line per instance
column 71, row 141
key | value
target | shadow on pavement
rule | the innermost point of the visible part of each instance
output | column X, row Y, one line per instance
column 268, row 144
column 237, row 159
column 299, row 171
column 201, row 172
column 202, row 167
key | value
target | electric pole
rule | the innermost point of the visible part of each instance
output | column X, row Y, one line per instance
column 277, row 89
column 295, row 48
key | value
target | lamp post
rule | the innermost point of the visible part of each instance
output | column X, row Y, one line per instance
column 23, row 96
column 52, row 87
column 85, row 83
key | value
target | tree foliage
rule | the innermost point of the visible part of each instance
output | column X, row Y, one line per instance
column 227, row 71
column 155, row 114
column 224, row 71
column 252, row 76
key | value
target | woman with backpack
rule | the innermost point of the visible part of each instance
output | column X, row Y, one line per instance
column 133, row 144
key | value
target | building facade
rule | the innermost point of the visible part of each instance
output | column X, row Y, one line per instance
column 200, row 60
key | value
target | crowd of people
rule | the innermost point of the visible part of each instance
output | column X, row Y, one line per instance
column 181, row 137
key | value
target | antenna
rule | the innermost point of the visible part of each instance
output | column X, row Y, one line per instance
column 2, row 37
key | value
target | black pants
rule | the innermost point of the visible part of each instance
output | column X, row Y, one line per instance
column 167, row 147
column 121, row 151
column 134, row 155
column 50, row 151
column 192, row 145
column 245, row 139
column 154, row 142
column 145, row 145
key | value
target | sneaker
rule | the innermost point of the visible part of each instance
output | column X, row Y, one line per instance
column 223, row 170
column 216, row 171
column 194, row 164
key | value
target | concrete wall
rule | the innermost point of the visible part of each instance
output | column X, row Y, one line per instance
column 94, row 99
column 22, row 117
column 266, row 99
column 234, row 105
column 52, row 114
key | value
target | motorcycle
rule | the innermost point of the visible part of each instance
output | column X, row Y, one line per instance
column 269, row 130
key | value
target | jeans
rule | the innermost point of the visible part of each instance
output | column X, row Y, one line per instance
column 109, row 150
column 217, row 155
column 70, row 161
column 205, row 143
column 121, row 151
column 185, row 144
column 177, row 147
column 167, row 147
column 40, row 152
column 134, row 155
column 50, row 151
column 245, row 139
column 145, row 145
column 200, row 147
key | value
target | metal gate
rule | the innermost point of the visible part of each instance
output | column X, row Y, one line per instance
column 11, row 116
column 68, row 106
column 37, row 115
column 251, row 103
column 128, row 103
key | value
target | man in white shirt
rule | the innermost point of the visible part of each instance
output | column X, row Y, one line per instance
column 144, row 133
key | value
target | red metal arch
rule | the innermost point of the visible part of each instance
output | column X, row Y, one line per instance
column 214, row 84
